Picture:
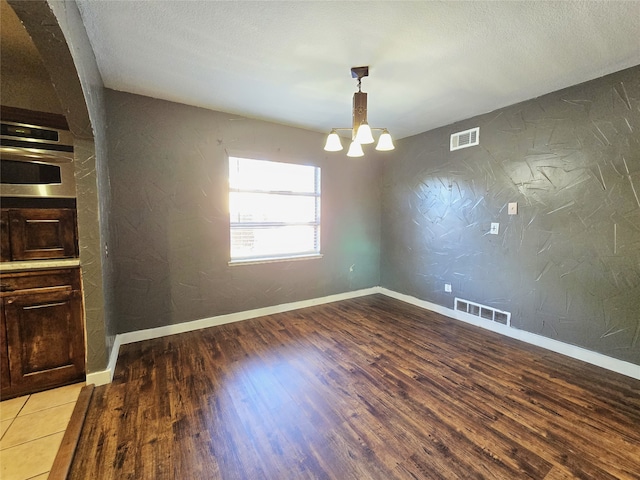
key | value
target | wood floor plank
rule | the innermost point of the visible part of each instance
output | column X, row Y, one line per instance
column 369, row 388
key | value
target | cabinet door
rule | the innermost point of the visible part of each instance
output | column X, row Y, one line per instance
column 5, row 246
column 5, row 379
column 39, row 233
column 45, row 338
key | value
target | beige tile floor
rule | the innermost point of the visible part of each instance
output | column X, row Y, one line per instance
column 31, row 430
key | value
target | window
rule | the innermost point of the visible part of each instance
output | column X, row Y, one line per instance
column 274, row 210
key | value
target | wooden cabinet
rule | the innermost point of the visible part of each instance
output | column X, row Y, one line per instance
column 5, row 242
column 38, row 233
column 5, row 378
column 42, row 330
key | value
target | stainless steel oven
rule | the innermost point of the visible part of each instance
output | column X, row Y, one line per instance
column 36, row 161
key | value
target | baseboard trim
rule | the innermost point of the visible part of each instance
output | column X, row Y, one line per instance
column 99, row 378
column 579, row 353
column 619, row 366
column 151, row 333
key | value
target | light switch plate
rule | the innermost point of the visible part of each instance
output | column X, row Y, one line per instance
column 495, row 229
column 513, row 208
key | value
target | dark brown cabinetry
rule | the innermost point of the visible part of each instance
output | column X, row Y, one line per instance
column 5, row 241
column 42, row 330
column 5, row 378
column 38, row 233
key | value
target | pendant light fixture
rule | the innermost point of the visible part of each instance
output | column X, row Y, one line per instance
column 361, row 132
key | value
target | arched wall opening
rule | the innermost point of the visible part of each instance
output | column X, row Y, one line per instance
column 59, row 36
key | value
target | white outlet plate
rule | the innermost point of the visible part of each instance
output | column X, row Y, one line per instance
column 495, row 229
column 447, row 287
column 513, row 208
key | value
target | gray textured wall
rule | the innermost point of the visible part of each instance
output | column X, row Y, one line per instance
column 85, row 112
column 568, row 265
column 170, row 244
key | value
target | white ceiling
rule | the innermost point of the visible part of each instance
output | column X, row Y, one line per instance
column 431, row 62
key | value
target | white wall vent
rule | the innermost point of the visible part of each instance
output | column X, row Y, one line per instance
column 465, row 139
column 482, row 311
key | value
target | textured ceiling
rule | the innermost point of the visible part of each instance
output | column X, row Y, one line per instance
column 431, row 63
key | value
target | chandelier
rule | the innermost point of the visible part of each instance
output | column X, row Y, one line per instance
column 361, row 132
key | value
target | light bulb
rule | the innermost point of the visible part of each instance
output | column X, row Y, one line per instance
column 385, row 143
column 363, row 135
column 333, row 142
column 355, row 150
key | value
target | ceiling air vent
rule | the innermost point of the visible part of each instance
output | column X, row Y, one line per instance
column 465, row 139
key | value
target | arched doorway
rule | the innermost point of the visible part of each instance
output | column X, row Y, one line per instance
column 84, row 111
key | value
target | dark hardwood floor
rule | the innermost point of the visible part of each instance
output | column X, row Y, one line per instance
column 369, row 388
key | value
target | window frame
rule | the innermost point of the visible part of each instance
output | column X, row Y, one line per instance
column 239, row 225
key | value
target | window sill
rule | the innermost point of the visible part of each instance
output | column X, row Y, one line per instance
column 257, row 261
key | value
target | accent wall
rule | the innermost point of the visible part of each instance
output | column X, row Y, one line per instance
column 567, row 266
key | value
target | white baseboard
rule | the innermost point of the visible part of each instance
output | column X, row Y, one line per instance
column 588, row 356
column 99, row 378
column 579, row 353
column 139, row 335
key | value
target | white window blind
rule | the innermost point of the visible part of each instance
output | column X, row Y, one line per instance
column 274, row 210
